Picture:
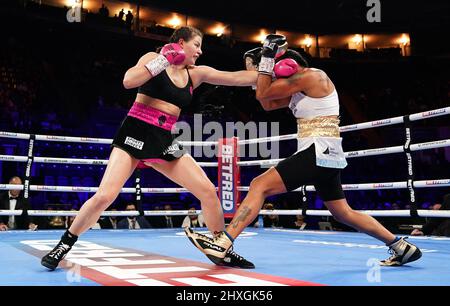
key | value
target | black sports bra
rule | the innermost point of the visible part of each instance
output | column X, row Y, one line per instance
column 161, row 87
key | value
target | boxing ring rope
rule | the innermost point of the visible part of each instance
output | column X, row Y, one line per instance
column 347, row 128
column 154, row 213
column 75, row 161
column 371, row 152
column 407, row 148
column 361, row 126
column 87, row 139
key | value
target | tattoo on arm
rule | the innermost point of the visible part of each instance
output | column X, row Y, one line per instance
column 245, row 212
column 323, row 77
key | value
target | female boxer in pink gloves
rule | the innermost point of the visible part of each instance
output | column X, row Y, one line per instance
column 313, row 99
column 165, row 83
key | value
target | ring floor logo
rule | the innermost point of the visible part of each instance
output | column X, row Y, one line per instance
column 111, row 266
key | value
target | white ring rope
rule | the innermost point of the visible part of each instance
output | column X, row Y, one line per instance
column 150, row 213
column 268, row 162
column 378, row 186
column 348, row 187
column 353, row 154
column 360, row 126
column 90, row 189
column 354, row 127
column 75, row 161
column 72, row 213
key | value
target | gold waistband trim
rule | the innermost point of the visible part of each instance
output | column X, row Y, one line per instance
column 318, row 127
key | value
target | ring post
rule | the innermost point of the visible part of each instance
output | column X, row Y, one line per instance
column 229, row 175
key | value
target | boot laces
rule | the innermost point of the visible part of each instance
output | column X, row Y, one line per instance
column 393, row 253
column 232, row 253
column 59, row 251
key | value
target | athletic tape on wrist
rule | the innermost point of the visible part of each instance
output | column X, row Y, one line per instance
column 157, row 65
column 266, row 65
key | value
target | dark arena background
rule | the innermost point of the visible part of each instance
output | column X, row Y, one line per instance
column 62, row 100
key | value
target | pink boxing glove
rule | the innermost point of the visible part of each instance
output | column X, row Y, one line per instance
column 171, row 54
column 285, row 68
column 174, row 53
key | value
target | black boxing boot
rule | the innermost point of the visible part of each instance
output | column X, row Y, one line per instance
column 233, row 259
column 53, row 258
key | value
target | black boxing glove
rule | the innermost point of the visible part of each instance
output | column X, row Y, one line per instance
column 274, row 46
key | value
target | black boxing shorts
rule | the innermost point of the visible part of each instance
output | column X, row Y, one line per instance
column 300, row 169
column 146, row 135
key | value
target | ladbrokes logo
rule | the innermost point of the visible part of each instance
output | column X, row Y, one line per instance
column 348, row 127
column 434, row 113
column 84, row 139
column 437, row 182
column 134, row 143
column 381, row 185
column 352, row 154
column 8, row 134
column 51, row 137
column 53, row 188
column 381, row 122
column 81, row 189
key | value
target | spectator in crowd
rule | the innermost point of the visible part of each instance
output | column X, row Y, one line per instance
column 13, row 200
column 436, row 226
column 157, row 221
column 268, row 220
column 129, row 19
column 104, row 11
column 133, row 222
column 193, row 220
column 121, row 14
column 108, row 222
column 168, row 220
column 300, row 222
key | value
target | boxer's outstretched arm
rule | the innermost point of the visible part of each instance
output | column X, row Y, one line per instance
column 213, row 76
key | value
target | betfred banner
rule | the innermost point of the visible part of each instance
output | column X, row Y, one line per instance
column 228, row 178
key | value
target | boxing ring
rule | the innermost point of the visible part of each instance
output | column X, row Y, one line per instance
column 165, row 257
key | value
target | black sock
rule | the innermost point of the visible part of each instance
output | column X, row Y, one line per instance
column 69, row 238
